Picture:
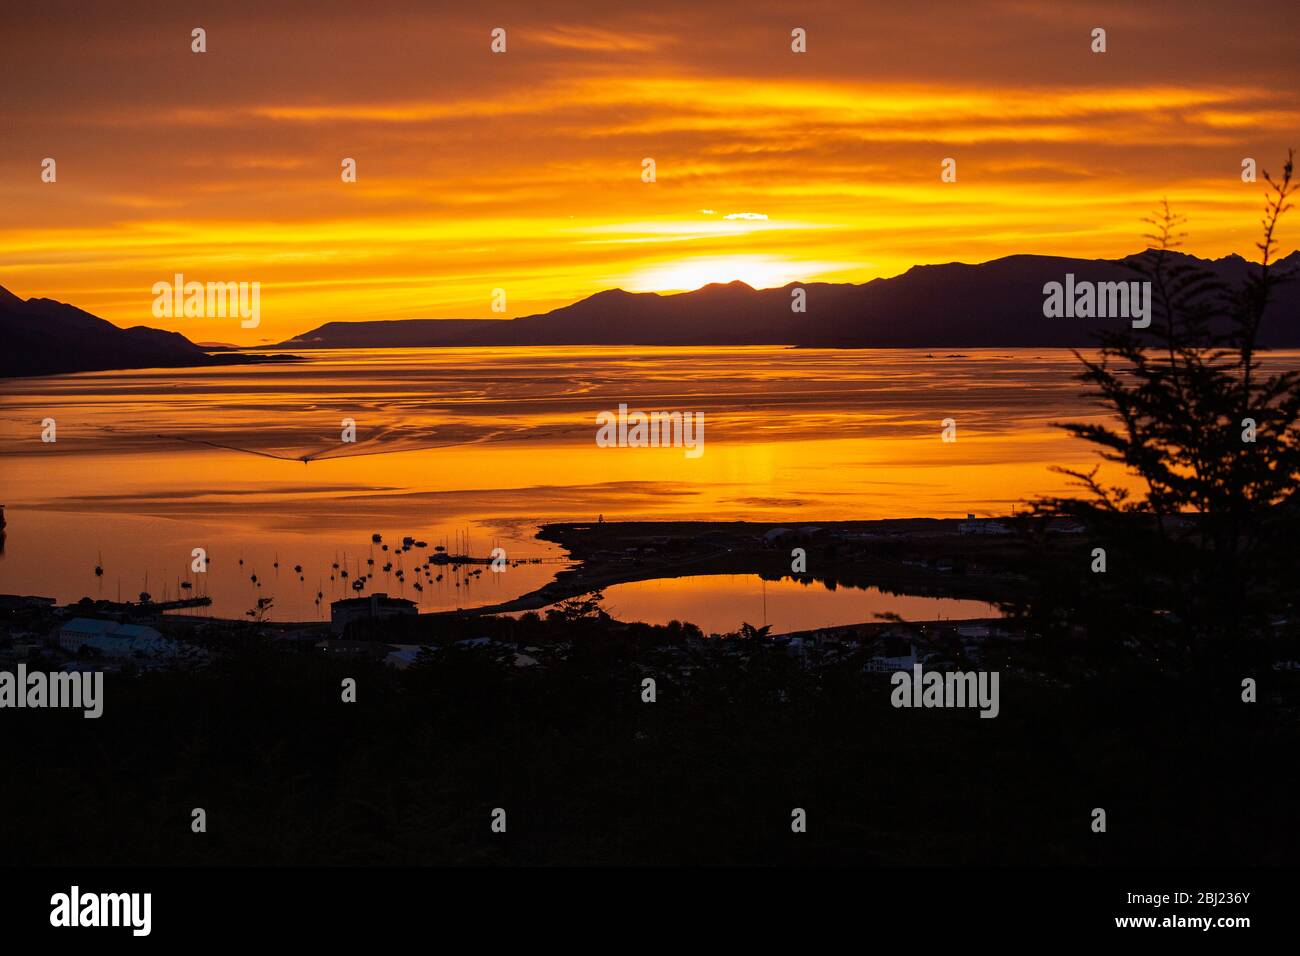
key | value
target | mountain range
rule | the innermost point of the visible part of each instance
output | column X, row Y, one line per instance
column 45, row 337
column 996, row 304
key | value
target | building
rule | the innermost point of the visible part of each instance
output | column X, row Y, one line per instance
column 973, row 525
column 881, row 664
column 24, row 602
column 374, row 607
column 112, row 639
column 72, row 635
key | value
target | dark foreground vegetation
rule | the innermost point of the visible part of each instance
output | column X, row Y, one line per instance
column 709, row 773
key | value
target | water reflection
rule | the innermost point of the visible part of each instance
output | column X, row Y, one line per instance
column 719, row 603
column 152, row 463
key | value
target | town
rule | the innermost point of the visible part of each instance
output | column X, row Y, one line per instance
column 980, row 559
column 381, row 732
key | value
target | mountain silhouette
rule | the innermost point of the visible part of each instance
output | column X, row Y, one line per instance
column 993, row 304
column 45, row 337
column 996, row 304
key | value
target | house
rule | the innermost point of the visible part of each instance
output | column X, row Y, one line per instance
column 889, row 665
column 114, row 640
column 973, row 525
column 375, row 607
column 72, row 635
column 140, row 645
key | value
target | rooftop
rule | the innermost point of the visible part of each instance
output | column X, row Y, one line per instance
column 381, row 598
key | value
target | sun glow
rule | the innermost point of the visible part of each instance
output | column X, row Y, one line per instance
column 761, row 272
column 768, row 171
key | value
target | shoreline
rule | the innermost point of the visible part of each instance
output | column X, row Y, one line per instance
column 924, row 557
column 219, row 359
column 952, row 558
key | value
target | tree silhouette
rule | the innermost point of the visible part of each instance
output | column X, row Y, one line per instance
column 581, row 609
column 259, row 613
column 1202, row 550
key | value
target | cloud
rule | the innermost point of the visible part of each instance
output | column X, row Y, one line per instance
column 522, row 171
column 591, row 38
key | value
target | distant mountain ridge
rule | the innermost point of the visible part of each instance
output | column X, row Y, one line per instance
column 44, row 337
column 996, row 304
column 955, row 305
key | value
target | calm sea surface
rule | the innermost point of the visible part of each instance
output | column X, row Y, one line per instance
column 488, row 443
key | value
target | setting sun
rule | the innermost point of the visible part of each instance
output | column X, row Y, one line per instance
column 761, row 272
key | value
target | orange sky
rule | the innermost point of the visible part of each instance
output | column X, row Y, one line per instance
column 522, row 171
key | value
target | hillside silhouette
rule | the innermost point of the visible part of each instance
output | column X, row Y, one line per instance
column 993, row 304
column 997, row 304
column 45, row 337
